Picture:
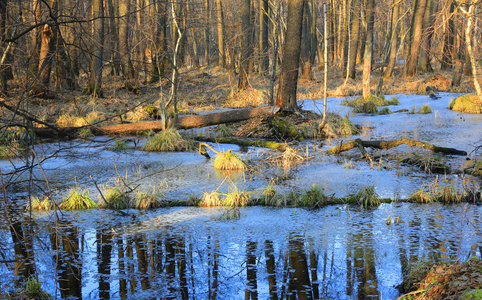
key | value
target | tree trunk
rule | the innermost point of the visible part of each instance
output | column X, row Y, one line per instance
column 393, row 42
column 428, row 31
column 94, row 84
column 367, row 59
column 471, row 17
column 263, row 37
column 47, row 50
column 353, row 42
column 288, row 81
column 206, row 34
column 114, row 38
column 3, row 36
column 307, row 40
column 219, row 14
column 419, row 7
column 124, row 44
column 449, row 40
column 245, row 45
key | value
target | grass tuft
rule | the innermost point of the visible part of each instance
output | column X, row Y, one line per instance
column 228, row 161
column 367, row 197
column 426, row 109
column 169, row 140
column 144, row 200
column 223, row 131
column 40, row 204
column 467, row 103
column 77, row 200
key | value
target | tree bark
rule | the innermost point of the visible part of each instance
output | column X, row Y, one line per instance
column 288, row 81
column 428, row 32
column 367, row 59
column 263, row 36
column 419, row 7
column 206, row 34
column 94, row 84
column 3, row 70
column 124, row 44
column 471, row 17
column 245, row 45
column 385, row 145
column 353, row 41
column 220, row 26
column 306, row 45
column 449, row 40
column 393, row 41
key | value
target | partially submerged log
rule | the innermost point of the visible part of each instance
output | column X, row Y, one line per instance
column 183, row 122
column 385, row 145
column 246, row 143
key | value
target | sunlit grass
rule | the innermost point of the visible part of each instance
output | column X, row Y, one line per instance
column 38, row 204
column 366, row 197
column 228, row 161
column 169, row 140
column 77, row 200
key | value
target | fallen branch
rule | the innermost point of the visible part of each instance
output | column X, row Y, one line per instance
column 385, row 145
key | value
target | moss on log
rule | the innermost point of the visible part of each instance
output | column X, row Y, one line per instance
column 385, row 145
column 245, row 143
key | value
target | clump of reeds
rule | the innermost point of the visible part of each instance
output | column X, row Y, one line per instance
column 77, row 200
column 426, row 109
column 428, row 162
column 286, row 159
column 366, row 197
column 314, row 197
column 466, row 103
column 169, row 140
column 40, row 204
column 228, row 161
column 369, row 104
column 115, row 198
column 144, row 200
column 223, row 131
column 210, row 199
column 436, row 192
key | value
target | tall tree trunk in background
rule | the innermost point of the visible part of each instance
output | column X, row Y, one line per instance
column 392, row 60
column 263, row 36
column 306, row 38
column 124, row 44
column 206, row 34
column 367, row 58
column 428, row 31
column 354, row 38
column 47, row 49
column 94, row 84
column 220, row 26
column 114, row 38
column 3, row 36
column 245, row 45
column 419, row 7
column 449, row 40
column 469, row 29
column 288, row 81
column 35, row 41
column 160, row 65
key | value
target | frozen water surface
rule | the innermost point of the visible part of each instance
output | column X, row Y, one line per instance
column 337, row 252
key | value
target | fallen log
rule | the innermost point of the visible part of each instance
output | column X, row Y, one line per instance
column 385, row 145
column 246, row 143
column 183, row 122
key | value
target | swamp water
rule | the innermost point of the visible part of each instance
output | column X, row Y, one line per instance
column 336, row 252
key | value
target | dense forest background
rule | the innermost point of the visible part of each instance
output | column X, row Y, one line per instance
column 52, row 47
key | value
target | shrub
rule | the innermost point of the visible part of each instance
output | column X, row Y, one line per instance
column 466, row 103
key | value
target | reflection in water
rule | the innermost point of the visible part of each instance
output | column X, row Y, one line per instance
column 266, row 254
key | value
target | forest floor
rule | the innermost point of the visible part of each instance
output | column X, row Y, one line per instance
column 204, row 89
